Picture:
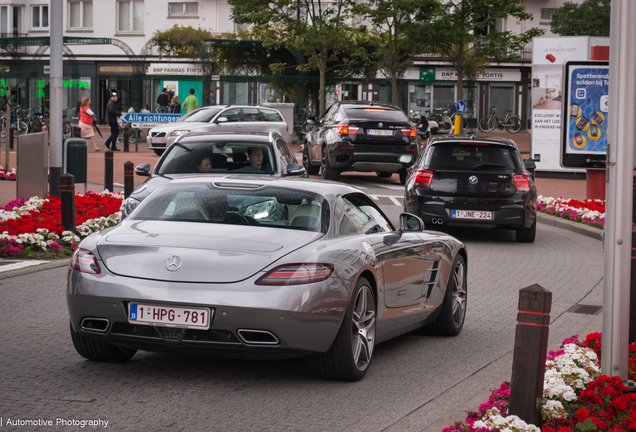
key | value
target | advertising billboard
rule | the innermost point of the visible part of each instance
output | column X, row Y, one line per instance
column 549, row 54
column 584, row 135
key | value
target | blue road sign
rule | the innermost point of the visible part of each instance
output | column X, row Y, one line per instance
column 460, row 107
column 148, row 118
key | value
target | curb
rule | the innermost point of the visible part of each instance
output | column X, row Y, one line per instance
column 34, row 269
column 571, row 226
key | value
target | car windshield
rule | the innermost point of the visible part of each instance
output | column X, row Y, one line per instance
column 218, row 157
column 473, row 157
column 261, row 206
column 200, row 115
column 372, row 113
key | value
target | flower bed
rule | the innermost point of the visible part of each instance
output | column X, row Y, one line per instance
column 4, row 175
column 35, row 225
column 575, row 397
column 589, row 212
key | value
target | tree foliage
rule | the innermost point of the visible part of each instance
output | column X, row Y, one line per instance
column 319, row 30
column 590, row 18
column 464, row 33
column 391, row 22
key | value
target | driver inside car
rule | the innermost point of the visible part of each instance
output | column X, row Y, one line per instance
column 257, row 159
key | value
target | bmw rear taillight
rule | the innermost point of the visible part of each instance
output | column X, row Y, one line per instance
column 410, row 132
column 346, row 129
column 84, row 261
column 522, row 182
column 297, row 274
column 423, row 178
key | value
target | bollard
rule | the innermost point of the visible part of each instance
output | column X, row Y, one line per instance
column 129, row 179
column 531, row 348
column 67, row 189
column 108, row 170
column 126, row 139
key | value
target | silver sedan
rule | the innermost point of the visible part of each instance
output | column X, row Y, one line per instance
column 266, row 268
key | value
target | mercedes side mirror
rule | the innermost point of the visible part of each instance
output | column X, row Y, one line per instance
column 294, row 169
column 143, row 170
column 311, row 120
column 410, row 222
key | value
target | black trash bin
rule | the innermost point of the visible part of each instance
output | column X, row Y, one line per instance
column 76, row 159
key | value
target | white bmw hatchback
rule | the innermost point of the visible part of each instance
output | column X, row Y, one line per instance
column 222, row 119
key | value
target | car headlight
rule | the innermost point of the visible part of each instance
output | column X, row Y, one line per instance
column 260, row 210
column 130, row 204
column 178, row 132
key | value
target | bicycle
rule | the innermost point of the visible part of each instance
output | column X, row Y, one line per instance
column 17, row 123
column 300, row 119
column 511, row 122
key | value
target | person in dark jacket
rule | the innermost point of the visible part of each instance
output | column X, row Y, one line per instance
column 163, row 101
column 175, row 108
column 112, row 113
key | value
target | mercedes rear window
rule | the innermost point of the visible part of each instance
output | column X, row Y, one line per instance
column 261, row 206
column 375, row 114
column 472, row 157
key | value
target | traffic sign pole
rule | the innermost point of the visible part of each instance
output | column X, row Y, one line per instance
column 460, row 107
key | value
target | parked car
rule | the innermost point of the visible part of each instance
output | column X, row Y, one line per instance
column 473, row 181
column 229, row 153
column 219, row 119
column 265, row 268
column 360, row 136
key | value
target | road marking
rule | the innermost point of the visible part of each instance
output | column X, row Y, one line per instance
column 20, row 264
column 391, row 197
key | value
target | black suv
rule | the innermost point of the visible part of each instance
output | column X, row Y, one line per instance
column 360, row 136
column 473, row 181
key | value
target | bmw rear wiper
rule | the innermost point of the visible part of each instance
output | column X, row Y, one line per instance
column 489, row 165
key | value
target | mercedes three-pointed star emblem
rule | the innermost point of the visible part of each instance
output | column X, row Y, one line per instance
column 173, row 263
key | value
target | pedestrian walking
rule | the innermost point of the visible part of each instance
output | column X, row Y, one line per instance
column 146, row 109
column 112, row 113
column 163, row 100
column 210, row 99
column 191, row 102
column 86, row 123
column 175, row 108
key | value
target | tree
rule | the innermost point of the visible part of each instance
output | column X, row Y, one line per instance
column 391, row 22
column 464, row 33
column 317, row 29
column 193, row 44
column 590, row 18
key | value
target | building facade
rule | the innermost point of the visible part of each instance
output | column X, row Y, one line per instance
column 107, row 50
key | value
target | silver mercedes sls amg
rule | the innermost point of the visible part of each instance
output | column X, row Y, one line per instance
column 266, row 268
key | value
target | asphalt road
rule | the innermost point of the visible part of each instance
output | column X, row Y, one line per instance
column 414, row 382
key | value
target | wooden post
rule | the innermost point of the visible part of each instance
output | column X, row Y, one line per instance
column 108, row 170
column 531, row 348
column 129, row 179
column 126, row 139
column 67, row 189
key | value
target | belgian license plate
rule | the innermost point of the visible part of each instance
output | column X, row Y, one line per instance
column 169, row 316
column 470, row 214
column 379, row 132
column 157, row 140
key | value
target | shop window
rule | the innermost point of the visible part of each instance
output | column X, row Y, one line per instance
column 183, row 10
column 502, row 98
column 419, row 99
column 235, row 93
column 130, row 16
column 4, row 20
column 443, row 96
column 40, row 17
column 80, row 15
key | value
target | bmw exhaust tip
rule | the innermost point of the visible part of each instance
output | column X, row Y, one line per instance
column 96, row 325
column 257, row 337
